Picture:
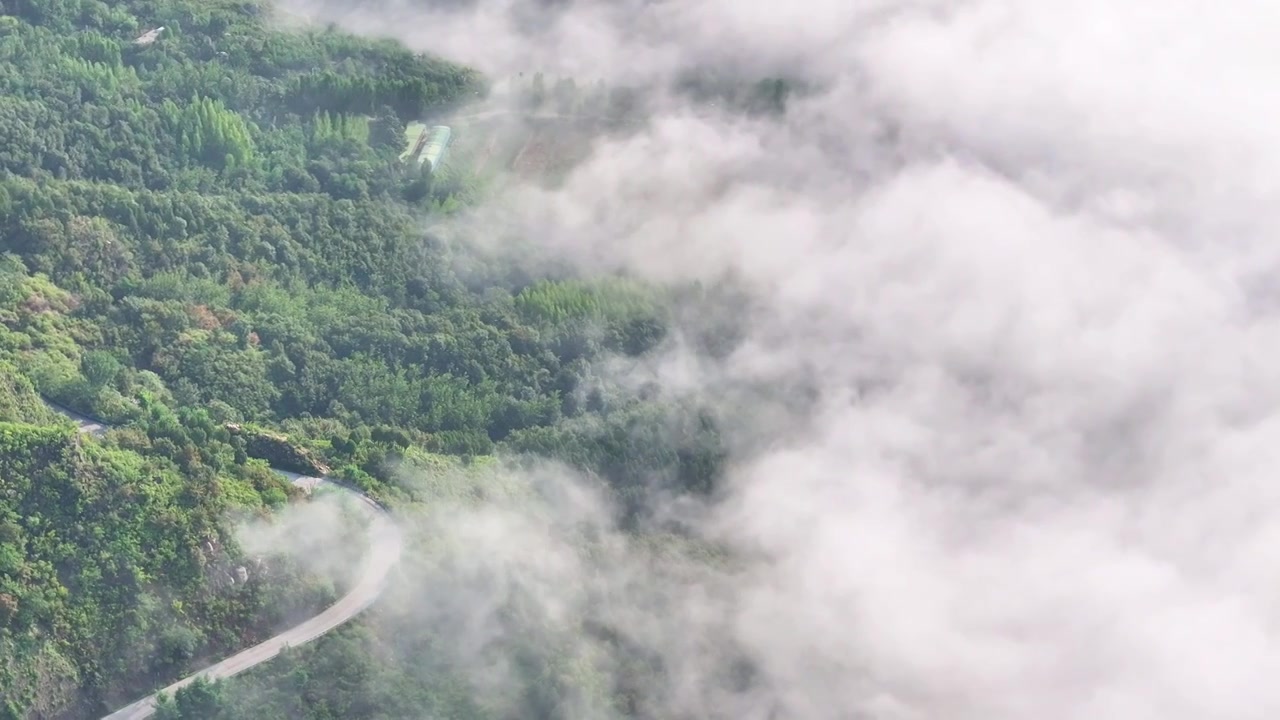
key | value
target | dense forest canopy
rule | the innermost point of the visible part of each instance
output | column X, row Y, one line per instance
column 203, row 221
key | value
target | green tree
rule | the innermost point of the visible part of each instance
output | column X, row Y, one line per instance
column 201, row 700
column 100, row 368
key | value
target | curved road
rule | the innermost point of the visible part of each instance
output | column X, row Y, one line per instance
column 385, row 545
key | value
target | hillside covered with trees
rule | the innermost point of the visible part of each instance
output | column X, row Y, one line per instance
column 207, row 224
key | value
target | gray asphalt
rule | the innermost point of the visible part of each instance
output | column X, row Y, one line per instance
column 385, row 546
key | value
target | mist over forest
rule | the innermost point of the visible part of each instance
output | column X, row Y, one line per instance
column 892, row 359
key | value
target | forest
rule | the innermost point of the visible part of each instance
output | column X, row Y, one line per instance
column 207, row 226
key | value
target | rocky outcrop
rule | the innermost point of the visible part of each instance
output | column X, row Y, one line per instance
column 278, row 451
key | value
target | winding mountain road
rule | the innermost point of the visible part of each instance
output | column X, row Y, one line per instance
column 385, row 545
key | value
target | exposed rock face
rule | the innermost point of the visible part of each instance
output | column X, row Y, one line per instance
column 278, row 451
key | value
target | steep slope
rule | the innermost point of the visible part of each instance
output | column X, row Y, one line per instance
column 44, row 446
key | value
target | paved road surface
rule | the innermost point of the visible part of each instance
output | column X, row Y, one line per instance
column 85, row 423
column 385, row 545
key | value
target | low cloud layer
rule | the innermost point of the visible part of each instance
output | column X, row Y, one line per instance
column 1025, row 251
column 325, row 535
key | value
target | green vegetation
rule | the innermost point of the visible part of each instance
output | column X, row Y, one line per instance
column 208, row 241
column 115, row 556
column 344, row 675
column 621, row 105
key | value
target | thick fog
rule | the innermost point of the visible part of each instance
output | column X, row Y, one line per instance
column 1024, row 252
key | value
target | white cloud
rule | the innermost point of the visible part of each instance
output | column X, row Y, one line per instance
column 1039, row 480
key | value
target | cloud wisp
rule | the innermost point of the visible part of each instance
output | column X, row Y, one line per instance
column 1025, row 252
